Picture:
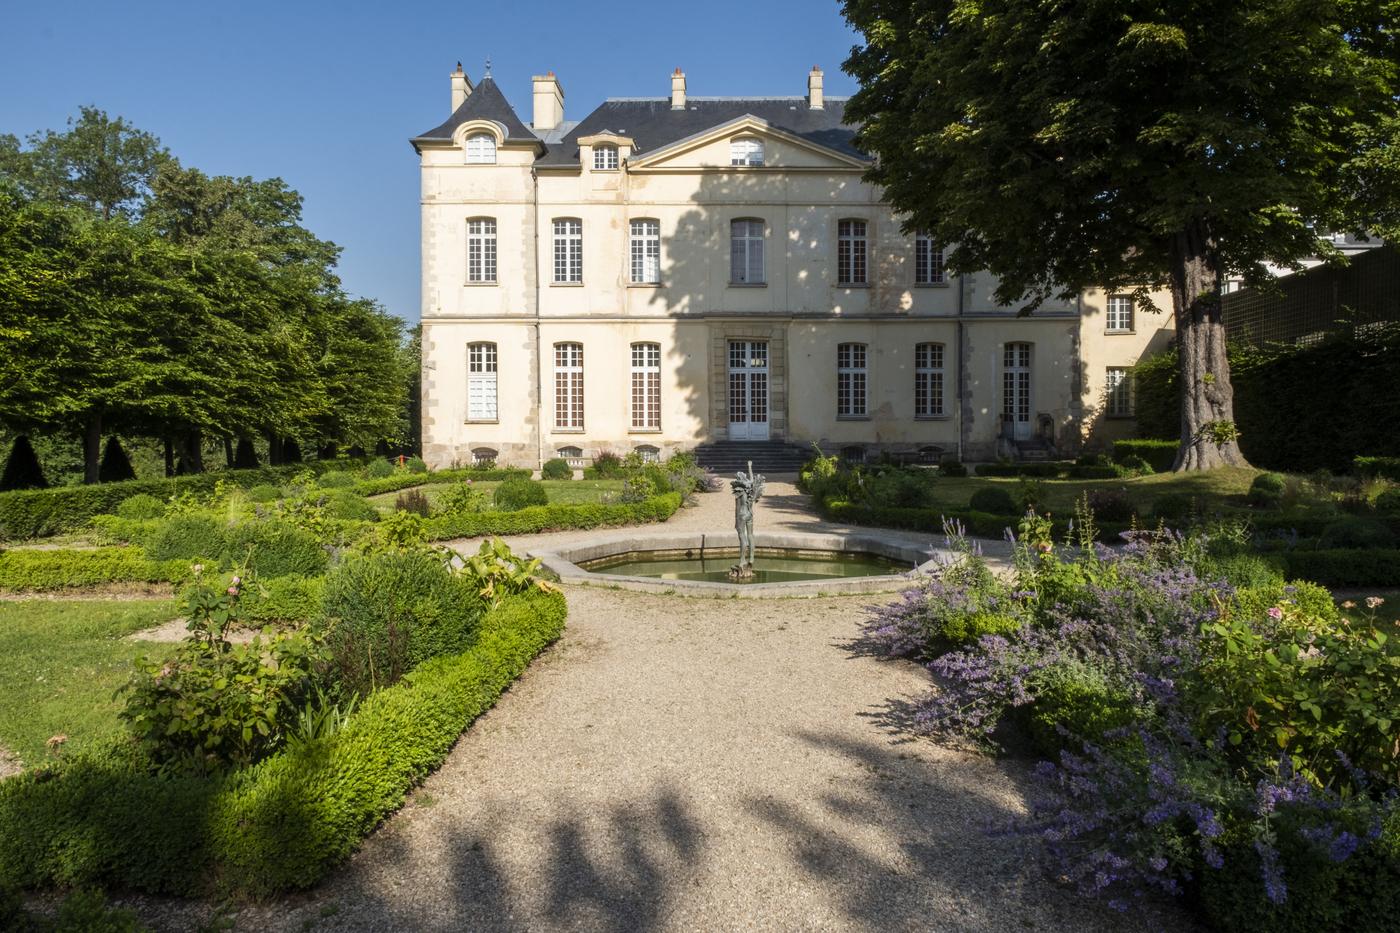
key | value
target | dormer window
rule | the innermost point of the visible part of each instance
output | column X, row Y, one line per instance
column 747, row 151
column 481, row 149
column 604, row 158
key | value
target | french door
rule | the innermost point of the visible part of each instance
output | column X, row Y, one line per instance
column 748, row 390
column 1016, row 389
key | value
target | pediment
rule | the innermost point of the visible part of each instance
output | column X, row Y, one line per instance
column 710, row 150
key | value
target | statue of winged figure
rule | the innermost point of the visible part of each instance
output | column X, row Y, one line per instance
column 748, row 489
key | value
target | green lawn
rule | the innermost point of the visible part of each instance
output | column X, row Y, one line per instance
column 560, row 490
column 1061, row 494
column 62, row 662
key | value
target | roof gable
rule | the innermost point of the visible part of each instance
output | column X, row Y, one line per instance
column 485, row 102
column 782, row 149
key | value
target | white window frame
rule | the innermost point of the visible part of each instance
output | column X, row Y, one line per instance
column 568, row 386
column 483, row 397
column 1118, row 388
column 480, row 149
column 646, row 387
column 929, row 266
column 568, row 251
column 928, row 380
column 746, row 260
column 605, row 158
column 1119, row 311
column 852, row 380
column 481, row 250
column 644, row 251
column 852, row 252
column 746, row 151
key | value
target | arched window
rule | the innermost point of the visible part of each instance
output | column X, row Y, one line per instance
column 481, row 249
column 573, row 456
column 746, row 151
column 850, row 380
column 850, row 253
column 604, row 158
column 568, row 387
column 646, row 386
column 928, row 380
column 481, row 382
column 568, row 250
column 649, row 454
column 928, row 261
column 746, row 251
column 481, row 149
column 645, row 251
column 483, row 457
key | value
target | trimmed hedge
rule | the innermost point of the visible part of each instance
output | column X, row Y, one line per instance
column 40, row 570
column 1038, row 469
column 33, row 513
column 1159, row 454
column 977, row 524
column 1346, row 567
column 281, row 824
column 282, row 599
column 1383, row 467
column 406, row 480
column 555, row 517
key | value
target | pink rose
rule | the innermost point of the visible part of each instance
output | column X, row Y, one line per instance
column 233, row 591
column 1275, row 613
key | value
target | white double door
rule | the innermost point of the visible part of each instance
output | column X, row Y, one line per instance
column 748, row 390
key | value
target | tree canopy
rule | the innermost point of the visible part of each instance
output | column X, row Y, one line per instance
column 1130, row 145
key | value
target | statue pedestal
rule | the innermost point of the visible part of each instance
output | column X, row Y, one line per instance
column 741, row 572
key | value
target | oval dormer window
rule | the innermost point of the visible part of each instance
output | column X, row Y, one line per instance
column 481, row 149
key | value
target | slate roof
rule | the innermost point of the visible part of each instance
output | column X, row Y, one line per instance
column 485, row 102
column 654, row 125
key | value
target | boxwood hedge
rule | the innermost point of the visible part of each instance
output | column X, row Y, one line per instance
column 29, row 569
column 406, row 480
column 552, row 518
column 100, row 819
column 1159, row 454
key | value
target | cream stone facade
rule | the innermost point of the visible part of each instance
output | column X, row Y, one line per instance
column 674, row 271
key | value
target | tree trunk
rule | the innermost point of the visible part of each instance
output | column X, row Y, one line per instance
column 228, row 453
column 169, row 456
column 191, row 453
column 92, row 450
column 274, row 450
column 1207, row 397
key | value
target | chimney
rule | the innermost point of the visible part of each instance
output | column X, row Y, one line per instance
column 461, row 87
column 549, row 102
column 815, row 99
column 678, row 90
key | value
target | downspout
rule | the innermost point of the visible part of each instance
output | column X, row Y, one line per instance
column 539, row 351
column 961, row 388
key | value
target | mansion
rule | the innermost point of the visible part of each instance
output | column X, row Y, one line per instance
column 679, row 270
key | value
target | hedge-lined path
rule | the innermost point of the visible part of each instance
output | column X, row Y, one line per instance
column 694, row 764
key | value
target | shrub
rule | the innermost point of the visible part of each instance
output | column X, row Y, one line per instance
column 1345, row 567
column 995, row 500
column 461, row 499
column 413, row 500
column 1137, row 465
column 899, row 489
column 274, row 548
column 822, row 476
column 519, row 493
column 57, row 569
column 1033, row 468
column 952, row 468
column 347, row 505
column 1098, row 471
column 1075, row 703
column 607, row 465
column 557, row 468
column 554, row 517
column 416, row 465
column 282, row 600
column 116, row 465
column 392, row 611
column 214, row 704
column 140, row 508
column 1242, row 570
column 265, row 492
column 1267, row 490
column 336, row 479
column 1159, row 454
column 1356, row 532
column 185, row 537
column 1110, row 505
column 378, row 469
column 22, row 469
column 1030, row 494
column 1175, row 509
column 1388, row 502
column 1383, row 467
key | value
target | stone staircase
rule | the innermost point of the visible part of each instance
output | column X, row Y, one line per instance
column 769, row 457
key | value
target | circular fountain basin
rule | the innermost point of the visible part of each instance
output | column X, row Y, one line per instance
column 785, row 565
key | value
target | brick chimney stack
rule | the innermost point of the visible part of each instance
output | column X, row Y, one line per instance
column 678, row 90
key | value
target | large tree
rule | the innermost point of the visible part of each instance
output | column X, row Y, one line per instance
column 1126, row 144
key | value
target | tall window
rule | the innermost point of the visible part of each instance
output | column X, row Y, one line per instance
column 1120, row 313
column 1119, row 383
column 481, row 382
column 646, row 251
column 646, row 386
column 850, row 380
column 746, row 252
column 481, row 250
column 568, row 250
column 928, row 380
column 928, row 261
column 1016, row 383
column 850, row 252
column 747, row 151
column 481, row 149
column 568, row 386
column 604, row 158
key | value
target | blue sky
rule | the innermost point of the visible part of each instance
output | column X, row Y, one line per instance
column 326, row 95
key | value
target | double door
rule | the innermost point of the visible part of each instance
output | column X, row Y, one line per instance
column 748, row 390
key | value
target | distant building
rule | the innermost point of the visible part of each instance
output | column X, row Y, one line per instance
column 672, row 271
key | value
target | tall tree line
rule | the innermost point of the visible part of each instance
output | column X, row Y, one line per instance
column 142, row 297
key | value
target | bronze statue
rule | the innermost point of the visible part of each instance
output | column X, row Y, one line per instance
column 748, row 489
